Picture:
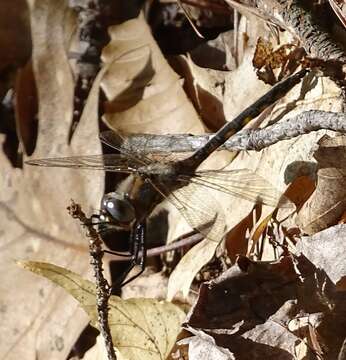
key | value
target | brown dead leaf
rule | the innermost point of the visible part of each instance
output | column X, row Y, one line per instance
column 286, row 58
column 235, row 100
column 327, row 204
column 34, row 222
column 250, row 308
column 236, row 240
column 140, row 328
column 256, row 234
column 145, row 94
column 300, row 190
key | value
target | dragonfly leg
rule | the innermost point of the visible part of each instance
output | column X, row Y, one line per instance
column 111, row 252
column 95, row 220
column 138, row 251
column 141, row 255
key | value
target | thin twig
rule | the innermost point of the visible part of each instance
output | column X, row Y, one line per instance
column 185, row 240
column 103, row 290
column 249, row 139
column 279, row 90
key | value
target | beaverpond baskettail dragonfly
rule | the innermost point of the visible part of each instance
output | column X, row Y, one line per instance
column 190, row 191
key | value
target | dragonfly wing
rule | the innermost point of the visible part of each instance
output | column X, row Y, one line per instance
column 241, row 183
column 139, row 150
column 105, row 162
column 116, row 140
column 200, row 209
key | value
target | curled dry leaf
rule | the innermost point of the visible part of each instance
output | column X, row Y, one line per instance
column 140, row 328
column 144, row 94
column 327, row 203
column 286, row 58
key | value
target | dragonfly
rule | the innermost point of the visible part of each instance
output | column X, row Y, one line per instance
column 152, row 179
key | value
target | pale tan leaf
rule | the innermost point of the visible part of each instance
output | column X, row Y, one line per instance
column 145, row 94
column 141, row 328
column 34, row 222
column 188, row 267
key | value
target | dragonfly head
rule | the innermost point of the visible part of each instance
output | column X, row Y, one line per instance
column 117, row 208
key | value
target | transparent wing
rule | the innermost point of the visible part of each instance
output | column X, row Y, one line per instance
column 138, row 150
column 115, row 141
column 199, row 208
column 105, row 162
column 195, row 199
column 241, row 183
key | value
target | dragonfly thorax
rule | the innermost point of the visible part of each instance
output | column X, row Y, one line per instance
column 117, row 208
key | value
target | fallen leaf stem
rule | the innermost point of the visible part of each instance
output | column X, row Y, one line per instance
column 103, row 290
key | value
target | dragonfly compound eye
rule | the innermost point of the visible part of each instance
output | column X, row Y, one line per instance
column 118, row 207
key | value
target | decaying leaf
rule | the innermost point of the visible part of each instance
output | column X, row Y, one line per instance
column 140, row 328
column 250, row 308
column 327, row 204
column 300, row 190
column 326, row 250
column 286, row 58
column 188, row 267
